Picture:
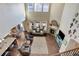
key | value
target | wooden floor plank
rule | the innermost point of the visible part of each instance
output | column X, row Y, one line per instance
column 52, row 45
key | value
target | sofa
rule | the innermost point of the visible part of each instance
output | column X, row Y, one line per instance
column 38, row 27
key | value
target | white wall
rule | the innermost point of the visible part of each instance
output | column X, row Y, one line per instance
column 10, row 15
column 56, row 11
column 67, row 17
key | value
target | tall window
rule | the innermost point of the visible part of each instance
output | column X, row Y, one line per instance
column 38, row 7
column 30, row 7
column 45, row 7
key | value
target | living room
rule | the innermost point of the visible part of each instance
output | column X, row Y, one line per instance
column 38, row 29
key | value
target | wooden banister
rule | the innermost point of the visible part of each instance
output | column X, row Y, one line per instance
column 72, row 52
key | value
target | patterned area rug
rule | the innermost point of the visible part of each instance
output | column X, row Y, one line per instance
column 39, row 46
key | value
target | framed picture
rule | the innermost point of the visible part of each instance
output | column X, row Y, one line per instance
column 74, row 31
column 75, row 37
column 70, row 35
column 76, row 14
column 71, row 25
column 78, row 26
column 74, row 19
column 69, row 32
column 76, row 22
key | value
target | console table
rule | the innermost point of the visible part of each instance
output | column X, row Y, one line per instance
column 6, row 43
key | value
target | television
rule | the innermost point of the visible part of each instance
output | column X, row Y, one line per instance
column 61, row 34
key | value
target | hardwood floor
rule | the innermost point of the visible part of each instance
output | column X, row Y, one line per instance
column 39, row 46
column 52, row 45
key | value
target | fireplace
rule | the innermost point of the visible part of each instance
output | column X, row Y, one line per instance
column 61, row 35
column 60, row 38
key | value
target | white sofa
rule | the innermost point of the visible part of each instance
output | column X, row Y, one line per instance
column 38, row 27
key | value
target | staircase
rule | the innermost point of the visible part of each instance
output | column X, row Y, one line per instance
column 72, row 52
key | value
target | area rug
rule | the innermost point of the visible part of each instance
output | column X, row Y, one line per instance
column 39, row 46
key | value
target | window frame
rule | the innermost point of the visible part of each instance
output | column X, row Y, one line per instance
column 41, row 6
